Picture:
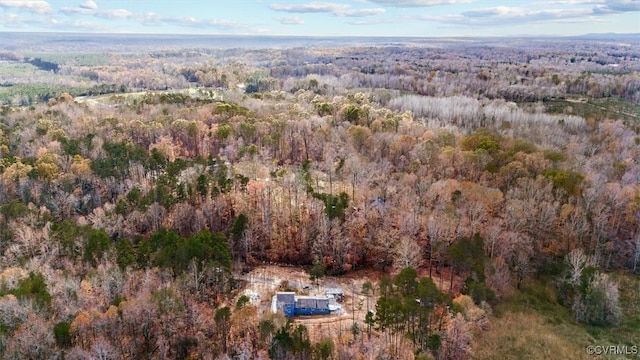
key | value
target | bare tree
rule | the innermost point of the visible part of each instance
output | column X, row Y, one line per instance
column 439, row 230
column 457, row 340
column 408, row 254
column 499, row 277
column 577, row 261
column 491, row 234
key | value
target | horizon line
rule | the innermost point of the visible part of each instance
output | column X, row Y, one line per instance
column 323, row 36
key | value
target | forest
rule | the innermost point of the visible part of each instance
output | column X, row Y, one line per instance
column 480, row 184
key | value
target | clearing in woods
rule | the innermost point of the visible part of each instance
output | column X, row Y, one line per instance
column 261, row 283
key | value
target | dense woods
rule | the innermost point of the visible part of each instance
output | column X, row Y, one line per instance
column 136, row 186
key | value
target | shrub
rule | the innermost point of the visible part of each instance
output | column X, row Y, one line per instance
column 478, row 291
column 242, row 302
column 567, row 180
column 98, row 243
column 598, row 303
column 481, row 140
column 62, row 333
column 33, row 288
column 592, row 295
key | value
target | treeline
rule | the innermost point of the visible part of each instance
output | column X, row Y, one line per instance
column 24, row 95
column 43, row 64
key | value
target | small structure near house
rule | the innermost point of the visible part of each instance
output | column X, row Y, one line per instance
column 336, row 293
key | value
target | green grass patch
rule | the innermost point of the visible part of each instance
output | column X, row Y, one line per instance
column 533, row 296
column 30, row 94
column 530, row 324
column 598, row 109
column 629, row 328
column 14, row 68
column 77, row 59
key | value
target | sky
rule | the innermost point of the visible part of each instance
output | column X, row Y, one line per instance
column 419, row 18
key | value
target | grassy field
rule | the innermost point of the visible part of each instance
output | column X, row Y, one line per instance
column 78, row 59
column 597, row 109
column 14, row 68
column 530, row 324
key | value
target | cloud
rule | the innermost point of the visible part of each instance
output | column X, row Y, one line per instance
column 222, row 24
column 12, row 20
column 505, row 14
column 87, row 16
column 155, row 19
column 17, row 21
column 77, row 10
column 586, row 20
column 419, row 3
column 34, row 6
column 311, row 8
column 90, row 4
column 620, row 6
column 364, row 12
column 86, row 8
column 90, row 8
column 378, row 21
column 502, row 15
column 565, row 2
column 334, row 9
column 290, row 20
column 556, row 11
column 86, row 26
column 114, row 14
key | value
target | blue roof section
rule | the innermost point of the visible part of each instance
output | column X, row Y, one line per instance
column 289, row 310
column 310, row 311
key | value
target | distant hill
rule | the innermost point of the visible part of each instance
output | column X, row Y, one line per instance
column 94, row 42
column 609, row 36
